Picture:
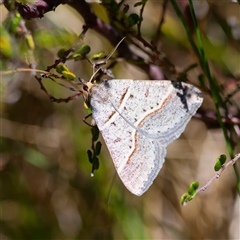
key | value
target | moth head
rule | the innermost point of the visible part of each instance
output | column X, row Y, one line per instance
column 86, row 89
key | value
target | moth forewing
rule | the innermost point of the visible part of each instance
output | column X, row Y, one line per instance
column 138, row 119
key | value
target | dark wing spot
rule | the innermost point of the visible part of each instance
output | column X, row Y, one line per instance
column 106, row 84
column 183, row 93
column 177, row 85
column 183, row 99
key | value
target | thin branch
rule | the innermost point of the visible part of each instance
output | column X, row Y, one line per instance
column 194, row 190
column 224, row 166
column 159, row 27
column 140, row 20
column 209, row 117
column 7, row 72
column 52, row 98
column 38, row 9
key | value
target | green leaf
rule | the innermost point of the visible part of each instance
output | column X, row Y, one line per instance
column 84, row 50
column 189, row 198
column 222, row 158
column 195, row 185
column 76, row 56
column 60, row 68
column 183, row 198
column 69, row 75
column 61, row 52
column 219, row 162
column 89, row 153
column 112, row 5
column 97, row 55
column 132, row 19
column 89, row 111
column 96, row 163
column 30, row 41
column 98, row 148
column 192, row 188
column 14, row 23
column 95, row 133
column 217, row 165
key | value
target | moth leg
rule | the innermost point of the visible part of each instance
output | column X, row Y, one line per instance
column 92, row 123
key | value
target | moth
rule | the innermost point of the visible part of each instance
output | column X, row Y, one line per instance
column 138, row 119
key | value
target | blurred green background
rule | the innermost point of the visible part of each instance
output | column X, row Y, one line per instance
column 46, row 188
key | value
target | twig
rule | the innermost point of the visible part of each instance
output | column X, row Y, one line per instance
column 37, row 9
column 224, row 166
column 53, row 99
column 159, row 27
column 140, row 20
column 23, row 70
column 194, row 190
column 210, row 118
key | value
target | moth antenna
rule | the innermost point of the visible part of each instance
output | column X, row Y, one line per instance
column 97, row 65
column 108, row 57
column 104, row 62
column 94, row 74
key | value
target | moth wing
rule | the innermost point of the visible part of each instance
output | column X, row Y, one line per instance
column 138, row 119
